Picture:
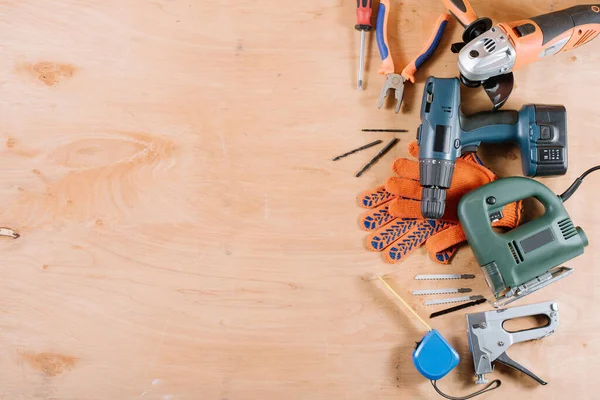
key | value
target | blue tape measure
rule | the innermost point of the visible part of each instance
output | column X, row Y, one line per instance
column 434, row 357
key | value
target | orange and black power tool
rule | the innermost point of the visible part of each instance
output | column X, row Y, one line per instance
column 488, row 55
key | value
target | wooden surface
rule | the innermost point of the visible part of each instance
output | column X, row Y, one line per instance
column 184, row 232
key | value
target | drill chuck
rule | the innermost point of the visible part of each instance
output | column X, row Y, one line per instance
column 433, row 202
column 435, row 177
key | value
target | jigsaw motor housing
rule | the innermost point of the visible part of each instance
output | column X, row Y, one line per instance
column 528, row 251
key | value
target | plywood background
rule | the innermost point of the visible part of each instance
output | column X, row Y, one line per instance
column 184, row 232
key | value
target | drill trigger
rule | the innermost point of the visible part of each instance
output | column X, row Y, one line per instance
column 469, row 149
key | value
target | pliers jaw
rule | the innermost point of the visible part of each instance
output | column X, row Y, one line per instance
column 393, row 82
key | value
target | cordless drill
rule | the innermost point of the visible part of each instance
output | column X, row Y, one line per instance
column 445, row 134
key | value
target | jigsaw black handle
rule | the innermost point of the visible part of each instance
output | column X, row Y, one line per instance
column 509, row 362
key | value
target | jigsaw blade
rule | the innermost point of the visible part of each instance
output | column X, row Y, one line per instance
column 443, row 276
column 452, row 300
column 440, row 291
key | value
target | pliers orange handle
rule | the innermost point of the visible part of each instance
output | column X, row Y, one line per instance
column 396, row 81
column 408, row 73
column 462, row 11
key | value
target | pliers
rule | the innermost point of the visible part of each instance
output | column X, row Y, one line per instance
column 392, row 79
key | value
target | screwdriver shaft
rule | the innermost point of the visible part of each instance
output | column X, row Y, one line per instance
column 364, row 10
column 362, row 60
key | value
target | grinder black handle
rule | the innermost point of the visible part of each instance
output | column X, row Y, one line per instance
column 579, row 25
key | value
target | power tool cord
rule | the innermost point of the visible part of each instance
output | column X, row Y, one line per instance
column 575, row 185
column 470, row 396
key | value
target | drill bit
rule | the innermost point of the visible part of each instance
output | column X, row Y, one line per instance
column 385, row 130
column 366, row 146
column 382, row 153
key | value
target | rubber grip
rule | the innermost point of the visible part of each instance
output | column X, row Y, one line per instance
column 462, row 11
column 488, row 119
column 432, row 44
column 364, row 11
column 556, row 23
column 381, row 33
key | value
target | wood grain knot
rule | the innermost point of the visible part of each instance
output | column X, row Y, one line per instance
column 51, row 73
column 50, row 364
column 47, row 72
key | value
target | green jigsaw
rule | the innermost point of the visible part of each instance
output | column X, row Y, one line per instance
column 529, row 257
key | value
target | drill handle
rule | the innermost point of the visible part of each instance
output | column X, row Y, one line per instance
column 488, row 127
column 488, row 118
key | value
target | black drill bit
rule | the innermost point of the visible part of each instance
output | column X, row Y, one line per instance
column 457, row 308
column 385, row 130
column 366, row 146
column 382, row 153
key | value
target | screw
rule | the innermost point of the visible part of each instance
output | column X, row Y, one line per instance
column 483, row 325
column 554, row 306
column 500, row 343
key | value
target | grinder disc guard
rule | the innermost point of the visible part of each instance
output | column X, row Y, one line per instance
column 499, row 88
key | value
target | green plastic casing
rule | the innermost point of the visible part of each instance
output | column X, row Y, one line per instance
column 528, row 251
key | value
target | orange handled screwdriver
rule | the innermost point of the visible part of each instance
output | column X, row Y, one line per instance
column 364, row 10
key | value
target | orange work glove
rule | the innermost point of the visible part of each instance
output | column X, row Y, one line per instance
column 395, row 219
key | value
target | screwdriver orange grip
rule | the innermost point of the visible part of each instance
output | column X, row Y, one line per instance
column 409, row 71
column 462, row 11
column 364, row 11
